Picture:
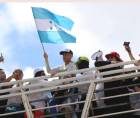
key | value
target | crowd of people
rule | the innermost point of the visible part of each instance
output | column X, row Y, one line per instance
column 52, row 98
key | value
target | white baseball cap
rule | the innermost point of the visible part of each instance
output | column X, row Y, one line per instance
column 37, row 70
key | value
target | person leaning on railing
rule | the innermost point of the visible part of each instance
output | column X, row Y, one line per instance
column 68, row 65
column 135, row 99
column 15, row 103
column 82, row 63
column 44, row 97
column 3, row 79
column 114, row 58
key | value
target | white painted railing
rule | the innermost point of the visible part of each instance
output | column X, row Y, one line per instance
column 59, row 85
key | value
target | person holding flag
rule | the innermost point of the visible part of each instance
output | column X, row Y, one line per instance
column 54, row 29
column 69, row 65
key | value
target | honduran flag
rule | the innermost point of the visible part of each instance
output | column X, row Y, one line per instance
column 52, row 28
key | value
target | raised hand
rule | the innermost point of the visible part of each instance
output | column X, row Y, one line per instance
column 46, row 56
column 127, row 47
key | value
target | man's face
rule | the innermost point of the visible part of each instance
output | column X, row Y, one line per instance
column 67, row 57
column 112, row 59
column 18, row 74
column 2, row 76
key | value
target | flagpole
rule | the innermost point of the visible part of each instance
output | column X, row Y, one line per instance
column 44, row 53
column 43, row 47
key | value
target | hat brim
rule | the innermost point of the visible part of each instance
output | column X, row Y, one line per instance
column 64, row 52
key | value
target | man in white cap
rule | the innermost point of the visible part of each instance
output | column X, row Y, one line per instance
column 68, row 66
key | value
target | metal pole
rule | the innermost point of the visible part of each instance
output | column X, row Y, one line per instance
column 88, row 100
column 26, row 103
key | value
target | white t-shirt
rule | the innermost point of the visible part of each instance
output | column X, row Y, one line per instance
column 98, row 95
column 15, row 99
column 39, row 95
column 84, row 88
column 69, row 67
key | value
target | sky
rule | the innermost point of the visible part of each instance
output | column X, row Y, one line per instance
column 103, row 26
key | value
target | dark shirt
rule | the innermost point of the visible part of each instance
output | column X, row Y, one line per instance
column 112, row 84
column 3, row 102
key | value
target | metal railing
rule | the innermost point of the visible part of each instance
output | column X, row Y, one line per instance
column 24, row 91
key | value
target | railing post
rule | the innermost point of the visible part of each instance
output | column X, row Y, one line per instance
column 88, row 100
column 26, row 103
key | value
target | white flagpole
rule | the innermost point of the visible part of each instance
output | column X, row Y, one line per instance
column 43, row 47
column 44, row 53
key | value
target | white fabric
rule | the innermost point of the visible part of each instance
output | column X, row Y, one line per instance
column 37, row 70
column 69, row 67
column 97, row 55
column 84, row 88
column 14, row 100
column 45, row 25
column 99, row 95
column 40, row 95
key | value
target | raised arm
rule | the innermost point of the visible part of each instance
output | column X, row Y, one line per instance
column 128, row 50
column 49, row 70
column 47, row 63
column 9, row 78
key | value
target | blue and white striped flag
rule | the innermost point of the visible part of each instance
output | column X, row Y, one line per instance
column 50, row 27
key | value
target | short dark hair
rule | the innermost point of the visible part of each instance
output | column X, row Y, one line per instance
column 83, row 64
column 19, row 70
column 1, row 69
column 39, row 73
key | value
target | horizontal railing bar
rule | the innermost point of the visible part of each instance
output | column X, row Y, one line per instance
column 120, row 71
column 67, row 73
column 12, row 113
column 113, row 88
column 117, row 113
column 43, row 84
column 73, row 84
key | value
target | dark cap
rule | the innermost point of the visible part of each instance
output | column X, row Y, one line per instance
column 66, row 51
